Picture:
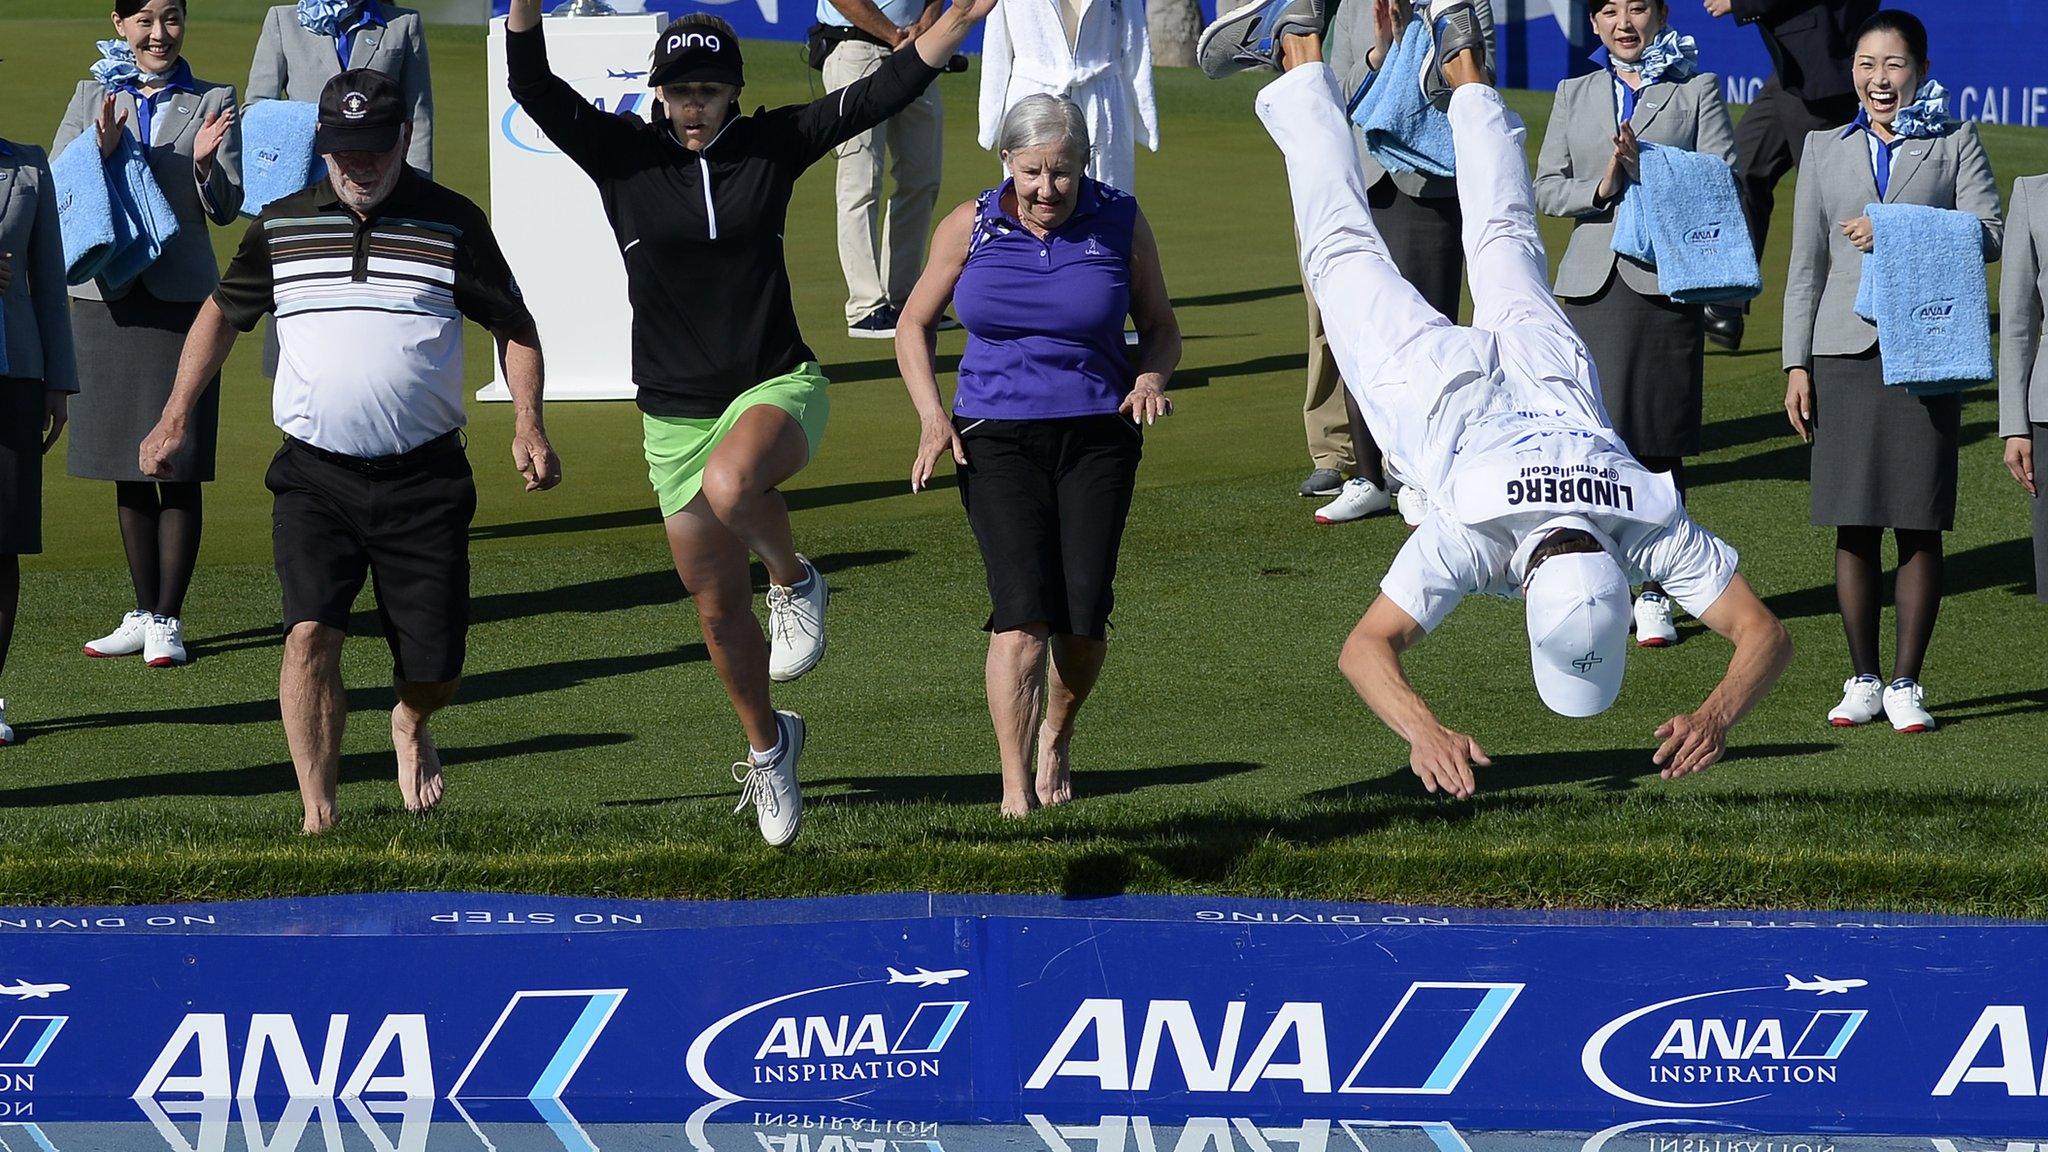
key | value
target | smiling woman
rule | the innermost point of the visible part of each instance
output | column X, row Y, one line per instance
column 143, row 95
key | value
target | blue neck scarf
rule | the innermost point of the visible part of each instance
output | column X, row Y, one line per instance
column 323, row 17
column 1927, row 116
column 1669, row 57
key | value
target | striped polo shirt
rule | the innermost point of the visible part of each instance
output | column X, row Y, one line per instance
column 369, row 311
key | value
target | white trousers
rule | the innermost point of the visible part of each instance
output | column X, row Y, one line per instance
column 1419, row 377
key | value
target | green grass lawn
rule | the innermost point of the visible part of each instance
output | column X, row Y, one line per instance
column 1223, row 752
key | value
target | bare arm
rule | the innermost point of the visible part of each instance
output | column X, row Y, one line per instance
column 863, row 14
column 206, row 348
column 1696, row 740
column 1372, row 662
column 917, row 346
column 1158, row 330
column 532, row 455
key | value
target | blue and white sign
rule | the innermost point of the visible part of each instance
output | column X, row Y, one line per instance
column 1000, row 1009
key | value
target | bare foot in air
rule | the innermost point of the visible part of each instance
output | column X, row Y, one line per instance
column 1055, row 769
column 419, row 763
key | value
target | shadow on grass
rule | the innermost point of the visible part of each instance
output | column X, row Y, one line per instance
column 2008, row 564
column 1607, row 769
column 973, row 787
column 1188, row 378
column 500, row 684
column 1992, row 707
column 1241, row 296
column 640, row 590
column 859, row 371
column 264, row 779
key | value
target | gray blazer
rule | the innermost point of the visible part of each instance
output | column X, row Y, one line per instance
column 186, row 272
column 2022, row 285
column 292, row 63
column 1686, row 114
column 38, row 331
column 1836, row 184
column 1344, row 48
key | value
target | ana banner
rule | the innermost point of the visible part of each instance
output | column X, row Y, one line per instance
column 1000, row 1009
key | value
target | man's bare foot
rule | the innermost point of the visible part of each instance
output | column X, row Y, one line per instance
column 1055, row 783
column 419, row 763
column 1298, row 48
column 1017, row 807
column 318, row 820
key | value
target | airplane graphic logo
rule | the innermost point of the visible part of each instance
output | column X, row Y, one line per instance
column 1822, row 986
column 926, row 978
column 23, row 990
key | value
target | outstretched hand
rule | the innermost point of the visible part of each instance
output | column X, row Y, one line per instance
column 1692, row 742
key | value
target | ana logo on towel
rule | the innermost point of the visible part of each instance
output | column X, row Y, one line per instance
column 1935, row 313
column 1704, row 236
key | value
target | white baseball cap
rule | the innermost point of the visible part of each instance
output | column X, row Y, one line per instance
column 1578, row 611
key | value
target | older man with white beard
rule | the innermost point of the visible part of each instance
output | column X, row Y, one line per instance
column 370, row 274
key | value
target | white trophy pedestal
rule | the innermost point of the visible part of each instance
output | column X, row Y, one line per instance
column 546, row 212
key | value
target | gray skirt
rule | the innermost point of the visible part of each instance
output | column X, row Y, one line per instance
column 21, row 466
column 1423, row 238
column 1882, row 457
column 1650, row 354
column 127, row 362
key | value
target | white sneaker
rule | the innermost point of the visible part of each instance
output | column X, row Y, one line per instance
column 1414, row 505
column 772, row 788
column 1862, row 702
column 1905, row 703
column 1653, row 621
column 796, row 625
column 6, row 733
column 163, row 642
column 123, row 641
column 1358, row 499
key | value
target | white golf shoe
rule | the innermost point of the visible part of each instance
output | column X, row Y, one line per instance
column 123, row 641
column 1358, row 499
column 1862, row 702
column 771, row 787
column 6, row 733
column 163, row 642
column 796, row 625
column 1654, row 628
column 1414, row 505
column 1905, row 705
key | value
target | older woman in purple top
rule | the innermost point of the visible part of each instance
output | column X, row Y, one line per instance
column 1047, row 422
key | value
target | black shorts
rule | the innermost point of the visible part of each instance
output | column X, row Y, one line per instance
column 333, row 523
column 1048, row 500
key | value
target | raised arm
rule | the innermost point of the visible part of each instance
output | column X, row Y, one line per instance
column 917, row 346
column 1697, row 739
column 1372, row 662
column 585, row 135
column 835, row 118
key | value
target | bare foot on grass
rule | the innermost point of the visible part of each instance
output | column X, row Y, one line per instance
column 1055, row 769
column 419, row 764
column 1017, row 805
column 318, row 820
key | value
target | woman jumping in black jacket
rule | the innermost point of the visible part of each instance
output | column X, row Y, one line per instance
column 733, row 403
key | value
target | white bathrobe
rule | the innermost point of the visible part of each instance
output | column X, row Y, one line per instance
column 1108, row 73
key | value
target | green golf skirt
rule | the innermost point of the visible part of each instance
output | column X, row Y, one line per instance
column 678, row 447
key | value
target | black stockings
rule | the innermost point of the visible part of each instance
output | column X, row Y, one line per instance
column 160, row 533
column 1859, row 578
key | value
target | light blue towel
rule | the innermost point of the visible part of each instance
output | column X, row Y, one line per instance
column 277, row 151
column 1684, row 218
column 1923, row 286
column 85, row 210
column 1402, row 131
column 143, row 219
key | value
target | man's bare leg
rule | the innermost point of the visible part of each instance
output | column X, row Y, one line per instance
column 419, row 763
column 315, row 709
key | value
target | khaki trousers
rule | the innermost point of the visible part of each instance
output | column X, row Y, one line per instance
column 882, row 256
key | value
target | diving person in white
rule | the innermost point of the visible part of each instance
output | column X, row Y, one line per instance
column 1532, row 493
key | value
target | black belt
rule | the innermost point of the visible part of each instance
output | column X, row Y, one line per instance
column 439, row 446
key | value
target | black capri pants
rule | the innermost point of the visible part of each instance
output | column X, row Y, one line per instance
column 1047, row 500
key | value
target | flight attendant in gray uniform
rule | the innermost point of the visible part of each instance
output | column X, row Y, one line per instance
column 1418, row 215
column 1649, row 350
column 37, row 372
column 1882, row 457
column 129, row 337
column 305, row 45
column 2022, row 375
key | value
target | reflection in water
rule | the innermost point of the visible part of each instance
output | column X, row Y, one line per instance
column 736, row 1126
